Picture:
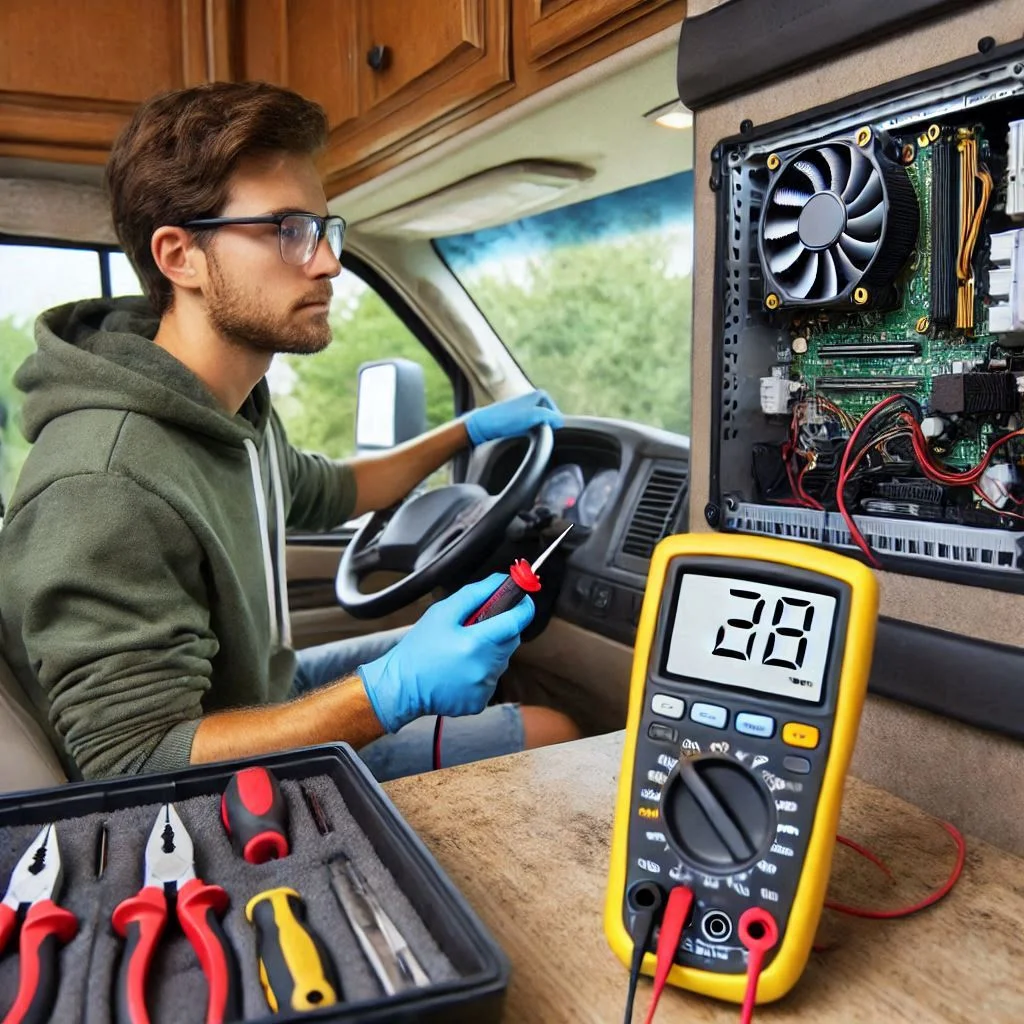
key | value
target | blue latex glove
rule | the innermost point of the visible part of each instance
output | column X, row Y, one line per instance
column 441, row 667
column 512, row 417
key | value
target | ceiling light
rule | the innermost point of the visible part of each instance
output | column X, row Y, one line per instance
column 492, row 197
column 671, row 115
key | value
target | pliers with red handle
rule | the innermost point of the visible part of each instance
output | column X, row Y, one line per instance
column 170, row 874
column 35, row 883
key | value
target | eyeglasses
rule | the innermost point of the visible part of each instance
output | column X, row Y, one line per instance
column 298, row 234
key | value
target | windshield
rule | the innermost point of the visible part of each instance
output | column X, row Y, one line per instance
column 593, row 299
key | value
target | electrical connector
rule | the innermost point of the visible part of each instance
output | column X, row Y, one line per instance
column 775, row 392
column 1006, row 286
column 1015, row 170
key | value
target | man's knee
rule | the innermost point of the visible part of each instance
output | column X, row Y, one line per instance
column 544, row 726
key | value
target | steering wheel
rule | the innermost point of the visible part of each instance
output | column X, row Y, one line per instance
column 435, row 535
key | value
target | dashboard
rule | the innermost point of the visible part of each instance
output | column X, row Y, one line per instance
column 623, row 486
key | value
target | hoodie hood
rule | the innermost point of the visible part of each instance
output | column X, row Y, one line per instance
column 99, row 354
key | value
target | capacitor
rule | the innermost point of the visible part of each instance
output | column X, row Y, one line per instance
column 799, row 345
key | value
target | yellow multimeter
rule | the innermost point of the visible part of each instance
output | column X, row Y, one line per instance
column 749, row 674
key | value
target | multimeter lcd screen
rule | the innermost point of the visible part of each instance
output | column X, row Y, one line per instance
column 755, row 636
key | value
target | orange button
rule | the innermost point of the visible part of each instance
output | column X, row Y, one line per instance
column 796, row 734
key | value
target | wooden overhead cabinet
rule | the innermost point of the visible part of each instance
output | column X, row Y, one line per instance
column 395, row 76
column 72, row 72
column 556, row 28
column 419, row 64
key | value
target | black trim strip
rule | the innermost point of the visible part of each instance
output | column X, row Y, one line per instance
column 975, row 681
column 746, row 43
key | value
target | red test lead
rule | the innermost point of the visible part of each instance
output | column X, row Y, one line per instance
column 677, row 910
column 759, row 933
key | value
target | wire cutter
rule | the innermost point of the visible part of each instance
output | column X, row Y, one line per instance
column 140, row 919
column 35, row 883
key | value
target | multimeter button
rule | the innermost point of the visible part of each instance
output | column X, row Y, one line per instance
column 662, row 733
column 796, row 765
column 709, row 714
column 796, row 734
column 669, row 707
column 755, row 725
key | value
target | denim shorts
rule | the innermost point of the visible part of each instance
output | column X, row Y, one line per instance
column 497, row 730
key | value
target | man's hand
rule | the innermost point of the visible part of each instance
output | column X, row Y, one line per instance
column 441, row 667
column 513, row 417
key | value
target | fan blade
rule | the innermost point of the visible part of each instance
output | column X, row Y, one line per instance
column 848, row 274
column 860, row 171
column 829, row 277
column 868, row 226
column 812, row 174
column 808, row 277
column 869, row 196
column 790, row 197
column 782, row 260
column 780, row 227
column 859, row 252
column 839, row 167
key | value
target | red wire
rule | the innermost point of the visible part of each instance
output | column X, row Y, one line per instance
column 813, row 502
column 865, row 852
column 844, row 475
column 929, row 900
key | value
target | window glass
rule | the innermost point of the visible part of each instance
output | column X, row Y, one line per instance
column 593, row 299
column 123, row 279
column 315, row 396
column 32, row 279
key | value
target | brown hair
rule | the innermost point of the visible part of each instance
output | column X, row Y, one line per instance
column 174, row 159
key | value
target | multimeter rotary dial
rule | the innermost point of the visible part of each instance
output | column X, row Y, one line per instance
column 717, row 816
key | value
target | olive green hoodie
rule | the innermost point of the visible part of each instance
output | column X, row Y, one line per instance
column 141, row 575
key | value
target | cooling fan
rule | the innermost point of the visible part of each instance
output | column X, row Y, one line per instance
column 838, row 223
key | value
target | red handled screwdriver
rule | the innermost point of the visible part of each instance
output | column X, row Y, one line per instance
column 522, row 579
column 255, row 815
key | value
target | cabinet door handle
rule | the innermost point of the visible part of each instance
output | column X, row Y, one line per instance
column 378, row 57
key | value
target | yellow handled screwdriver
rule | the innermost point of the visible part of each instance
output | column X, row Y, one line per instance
column 295, row 969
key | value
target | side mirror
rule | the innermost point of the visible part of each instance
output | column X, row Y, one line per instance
column 391, row 406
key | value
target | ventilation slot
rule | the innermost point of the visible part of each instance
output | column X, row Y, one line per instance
column 655, row 512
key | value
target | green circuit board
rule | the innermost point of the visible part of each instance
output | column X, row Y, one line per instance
column 939, row 351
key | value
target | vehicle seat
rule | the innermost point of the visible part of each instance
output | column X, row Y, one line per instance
column 27, row 758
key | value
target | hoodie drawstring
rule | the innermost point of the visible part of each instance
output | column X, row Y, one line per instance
column 282, row 571
column 277, row 593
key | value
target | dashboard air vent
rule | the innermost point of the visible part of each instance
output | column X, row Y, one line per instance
column 655, row 512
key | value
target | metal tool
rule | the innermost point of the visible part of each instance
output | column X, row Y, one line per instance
column 140, row 919
column 295, row 968
column 33, row 888
column 389, row 954
column 316, row 810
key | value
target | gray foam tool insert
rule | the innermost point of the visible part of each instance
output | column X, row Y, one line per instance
column 177, row 990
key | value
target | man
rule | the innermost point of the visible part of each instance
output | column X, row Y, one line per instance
column 140, row 593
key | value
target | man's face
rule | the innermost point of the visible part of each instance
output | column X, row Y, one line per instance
column 253, row 297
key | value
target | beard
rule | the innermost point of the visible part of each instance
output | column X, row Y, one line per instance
column 244, row 317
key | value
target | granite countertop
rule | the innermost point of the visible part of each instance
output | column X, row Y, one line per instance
column 526, row 839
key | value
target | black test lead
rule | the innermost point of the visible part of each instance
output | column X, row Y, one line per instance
column 522, row 579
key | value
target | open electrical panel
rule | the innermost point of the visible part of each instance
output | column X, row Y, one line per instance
column 869, row 371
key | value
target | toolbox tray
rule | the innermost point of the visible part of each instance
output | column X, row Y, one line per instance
column 468, row 971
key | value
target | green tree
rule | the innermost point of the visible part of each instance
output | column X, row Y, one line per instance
column 604, row 327
column 319, row 412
